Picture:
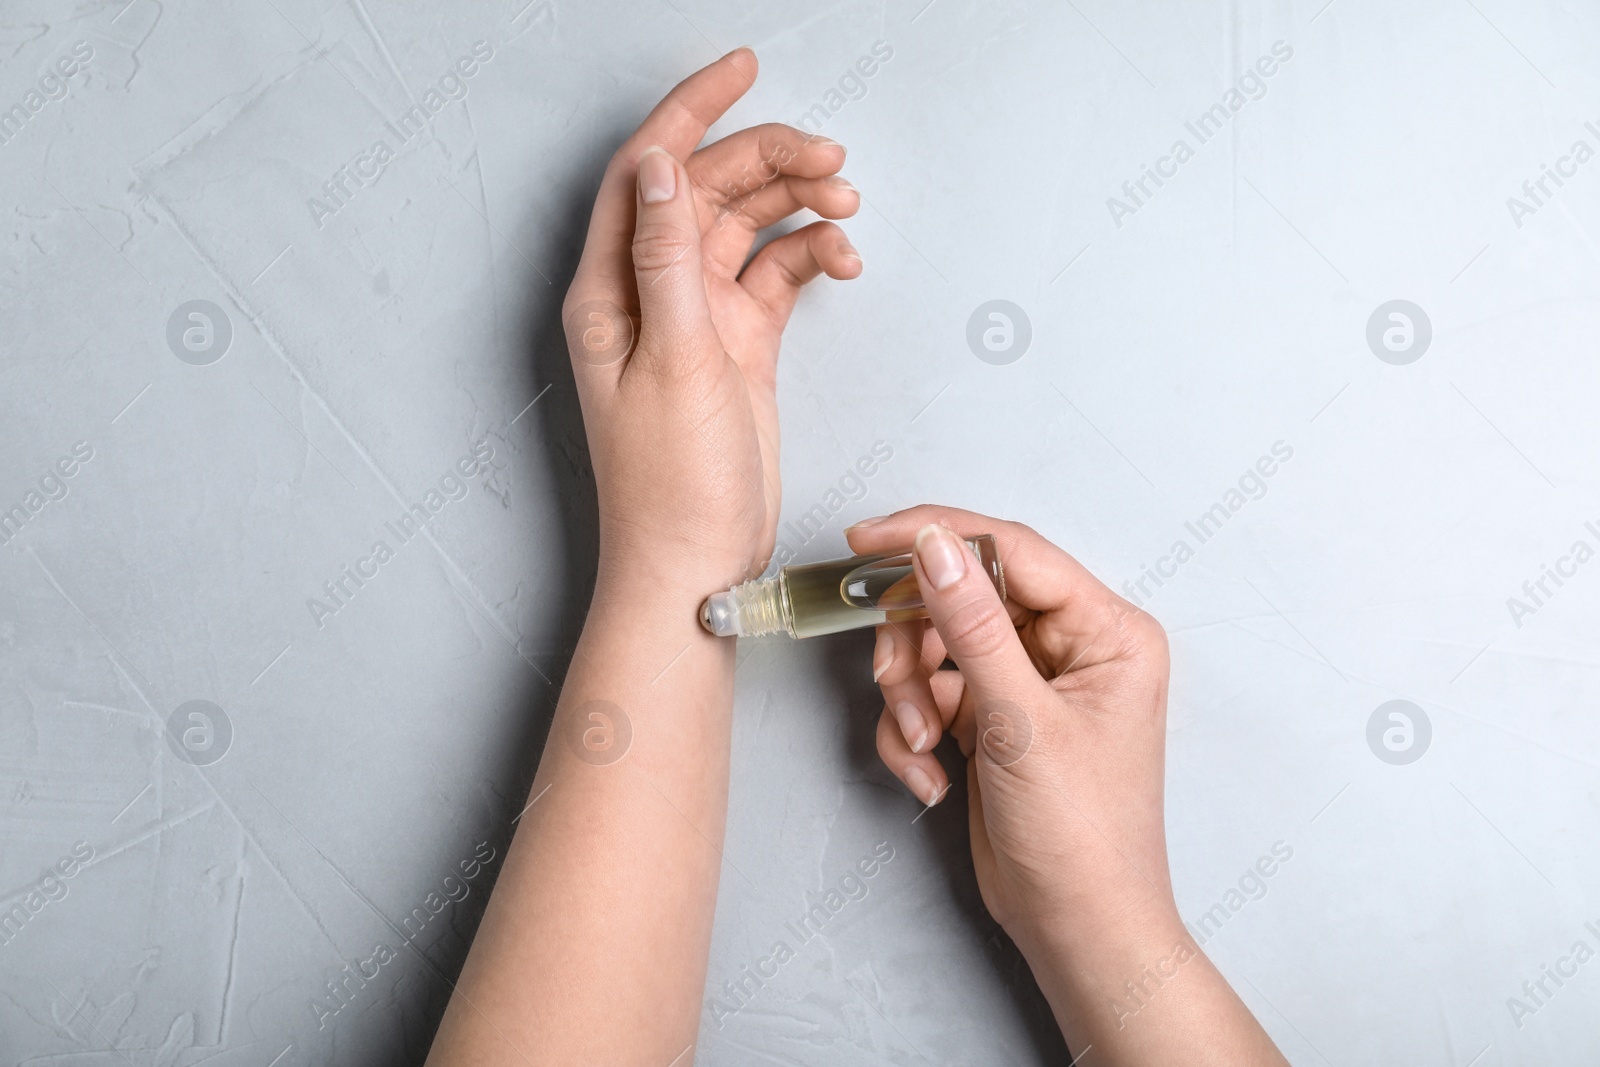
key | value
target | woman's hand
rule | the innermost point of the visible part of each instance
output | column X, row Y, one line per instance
column 683, row 424
column 1059, row 704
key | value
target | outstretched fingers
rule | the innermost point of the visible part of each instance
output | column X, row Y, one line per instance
column 677, row 124
column 740, row 163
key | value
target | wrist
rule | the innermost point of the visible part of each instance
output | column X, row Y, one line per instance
column 1078, row 960
column 664, row 595
column 706, row 561
column 1099, row 927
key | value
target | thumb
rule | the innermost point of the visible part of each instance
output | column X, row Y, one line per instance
column 675, row 318
column 973, row 621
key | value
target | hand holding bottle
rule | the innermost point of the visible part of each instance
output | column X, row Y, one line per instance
column 1058, row 704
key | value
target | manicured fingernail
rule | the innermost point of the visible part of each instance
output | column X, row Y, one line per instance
column 942, row 554
column 658, row 179
column 882, row 654
column 912, row 727
column 918, row 782
column 864, row 523
column 842, row 183
column 848, row 251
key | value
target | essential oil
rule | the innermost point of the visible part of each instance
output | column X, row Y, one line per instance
column 810, row 599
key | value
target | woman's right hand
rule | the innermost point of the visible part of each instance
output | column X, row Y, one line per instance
column 1059, row 704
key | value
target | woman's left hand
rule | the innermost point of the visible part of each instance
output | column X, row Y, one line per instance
column 683, row 426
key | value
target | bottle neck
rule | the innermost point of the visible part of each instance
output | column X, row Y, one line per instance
column 762, row 607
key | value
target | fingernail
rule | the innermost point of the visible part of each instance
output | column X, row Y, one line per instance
column 882, row 654
column 864, row 523
column 843, row 183
column 658, row 179
column 918, row 782
column 912, row 726
column 942, row 554
column 829, row 142
column 848, row 250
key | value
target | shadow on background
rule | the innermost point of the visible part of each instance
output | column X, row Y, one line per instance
column 566, row 568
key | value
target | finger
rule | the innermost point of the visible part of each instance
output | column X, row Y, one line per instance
column 733, row 230
column 774, row 277
column 955, row 711
column 676, row 324
column 921, row 772
column 678, row 123
column 832, row 197
column 933, row 650
column 1039, row 577
column 743, row 162
column 968, row 613
column 897, row 668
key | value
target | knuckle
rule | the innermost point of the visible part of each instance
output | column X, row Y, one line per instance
column 822, row 238
column 658, row 245
column 787, row 272
column 977, row 628
column 1142, row 636
column 785, row 141
column 899, row 670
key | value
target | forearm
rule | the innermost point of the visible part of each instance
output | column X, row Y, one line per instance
column 594, row 945
column 1136, row 987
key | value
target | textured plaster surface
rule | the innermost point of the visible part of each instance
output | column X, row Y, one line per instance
column 375, row 754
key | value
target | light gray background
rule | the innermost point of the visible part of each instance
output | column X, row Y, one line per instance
column 371, row 755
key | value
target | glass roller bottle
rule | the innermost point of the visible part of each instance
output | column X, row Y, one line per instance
column 810, row 599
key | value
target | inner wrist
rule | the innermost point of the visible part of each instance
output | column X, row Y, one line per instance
column 645, row 588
